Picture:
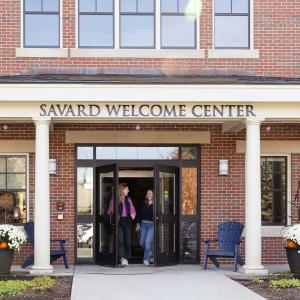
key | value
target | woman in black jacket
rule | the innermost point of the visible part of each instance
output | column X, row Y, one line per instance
column 145, row 225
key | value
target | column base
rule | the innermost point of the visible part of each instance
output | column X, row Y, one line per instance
column 254, row 270
column 41, row 270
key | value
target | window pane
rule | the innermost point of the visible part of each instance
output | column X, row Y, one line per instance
column 240, row 6
column 2, row 181
column 169, row 6
column 96, row 31
column 147, row 153
column 189, row 152
column 85, row 191
column 106, row 152
column 189, row 191
column 33, row 5
column 273, row 165
column 137, row 31
column 12, row 207
column 105, row 6
column 273, row 207
column 16, row 165
column 145, row 6
column 16, row 181
column 87, row 5
column 127, row 153
column 128, row 6
column 2, row 165
column 189, row 248
column 223, row 6
column 51, row 5
column 185, row 6
column 231, row 31
column 85, row 235
column 178, row 31
column 85, row 153
column 168, row 153
column 42, row 30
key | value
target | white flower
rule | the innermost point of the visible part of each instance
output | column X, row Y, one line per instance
column 293, row 234
column 13, row 236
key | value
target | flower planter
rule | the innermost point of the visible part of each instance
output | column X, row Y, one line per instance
column 6, row 258
column 3, row 245
column 293, row 256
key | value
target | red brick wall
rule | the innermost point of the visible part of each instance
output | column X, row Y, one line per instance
column 276, row 35
column 222, row 197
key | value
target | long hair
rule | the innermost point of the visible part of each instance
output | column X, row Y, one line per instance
column 146, row 198
column 122, row 187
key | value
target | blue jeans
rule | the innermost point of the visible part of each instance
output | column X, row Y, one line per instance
column 146, row 240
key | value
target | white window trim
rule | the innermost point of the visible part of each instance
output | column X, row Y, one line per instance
column 157, row 52
column 41, row 52
column 27, row 177
column 277, row 231
column 234, row 53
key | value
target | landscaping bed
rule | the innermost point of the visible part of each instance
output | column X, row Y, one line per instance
column 277, row 287
column 35, row 288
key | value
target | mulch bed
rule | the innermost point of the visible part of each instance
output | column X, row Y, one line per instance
column 60, row 291
column 271, row 294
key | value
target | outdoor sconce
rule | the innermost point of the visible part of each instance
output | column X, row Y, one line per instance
column 223, row 167
column 52, row 166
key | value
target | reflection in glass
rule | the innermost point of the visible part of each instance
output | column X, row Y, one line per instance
column 167, row 192
column 167, row 238
column 223, row 6
column 12, row 207
column 169, row 6
column 85, row 235
column 84, row 191
column 2, row 165
column 106, row 193
column 84, row 152
column 51, row 5
column 2, row 181
column 16, row 165
column 33, row 5
column 147, row 153
column 189, row 153
column 168, row 153
column 189, row 191
column 240, row 6
column 127, row 153
column 16, row 181
column 106, row 153
column 105, row 6
column 188, row 242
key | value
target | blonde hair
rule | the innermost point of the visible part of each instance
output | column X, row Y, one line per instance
column 122, row 187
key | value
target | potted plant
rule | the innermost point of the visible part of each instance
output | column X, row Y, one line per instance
column 11, row 238
column 292, row 237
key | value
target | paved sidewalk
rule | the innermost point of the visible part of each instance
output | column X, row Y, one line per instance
column 144, row 283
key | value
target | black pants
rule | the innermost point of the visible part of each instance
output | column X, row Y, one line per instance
column 124, row 238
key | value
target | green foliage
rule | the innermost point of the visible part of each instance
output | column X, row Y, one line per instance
column 16, row 287
column 258, row 281
column 284, row 283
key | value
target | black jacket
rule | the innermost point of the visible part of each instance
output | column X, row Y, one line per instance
column 145, row 212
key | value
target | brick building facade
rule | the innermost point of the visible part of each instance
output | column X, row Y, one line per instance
column 263, row 73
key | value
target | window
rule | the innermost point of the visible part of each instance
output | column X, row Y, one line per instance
column 274, row 190
column 178, row 24
column 232, row 24
column 13, row 189
column 137, row 24
column 96, row 23
column 41, row 23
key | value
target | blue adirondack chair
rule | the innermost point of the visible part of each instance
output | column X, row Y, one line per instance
column 54, row 254
column 229, row 239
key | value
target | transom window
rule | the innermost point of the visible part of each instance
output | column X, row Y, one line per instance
column 137, row 24
column 274, row 190
column 232, row 24
column 41, row 23
column 13, row 189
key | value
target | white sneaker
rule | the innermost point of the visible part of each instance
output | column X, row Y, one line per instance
column 125, row 262
column 146, row 262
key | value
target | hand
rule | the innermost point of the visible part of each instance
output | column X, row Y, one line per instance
column 132, row 216
column 137, row 227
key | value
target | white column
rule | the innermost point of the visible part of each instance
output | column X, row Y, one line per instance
column 253, row 200
column 42, row 200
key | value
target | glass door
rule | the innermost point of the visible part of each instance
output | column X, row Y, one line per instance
column 166, row 215
column 106, row 217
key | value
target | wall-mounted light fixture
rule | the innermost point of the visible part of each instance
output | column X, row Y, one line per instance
column 52, row 166
column 223, row 167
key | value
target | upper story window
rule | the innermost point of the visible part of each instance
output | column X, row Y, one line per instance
column 41, row 23
column 13, row 189
column 142, row 24
column 232, row 24
column 96, row 23
column 274, row 190
column 178, row 24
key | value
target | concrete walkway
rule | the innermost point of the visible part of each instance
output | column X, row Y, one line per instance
column 144, row 283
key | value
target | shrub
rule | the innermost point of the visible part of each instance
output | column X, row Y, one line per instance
column 284, row 283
